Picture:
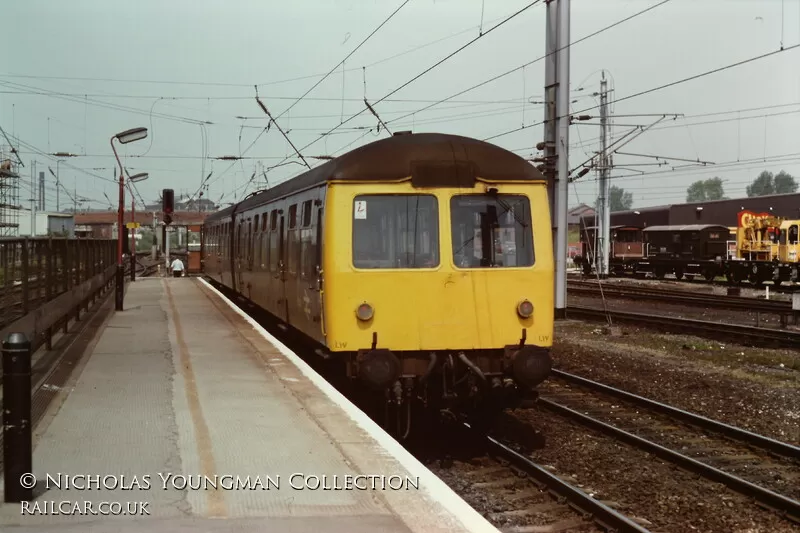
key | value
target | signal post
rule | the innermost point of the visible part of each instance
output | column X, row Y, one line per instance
column 168, row 207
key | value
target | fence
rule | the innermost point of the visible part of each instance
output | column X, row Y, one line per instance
column 44, row 281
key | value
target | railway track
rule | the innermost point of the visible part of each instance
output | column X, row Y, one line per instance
column 681, row 297
column 514, row 468
column 723, row 331
column 764, row 469
column 518, row 494
column 784, row 288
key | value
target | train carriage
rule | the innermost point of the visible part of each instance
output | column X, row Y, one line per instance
column 412, row 257
column 624, row 253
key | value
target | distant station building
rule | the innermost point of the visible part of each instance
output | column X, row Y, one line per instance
column 103, row 224
column 723, row 212
column 44, row 224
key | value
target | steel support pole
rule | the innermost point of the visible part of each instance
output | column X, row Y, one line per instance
column 562, row 149
column 155, row 238
column 604, row 214
column 549, row 148
column 133, row 239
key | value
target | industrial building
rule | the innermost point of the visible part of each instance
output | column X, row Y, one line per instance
column 723, row 212
column 43, row 224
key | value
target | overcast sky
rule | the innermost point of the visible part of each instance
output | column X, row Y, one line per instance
column 74, row 73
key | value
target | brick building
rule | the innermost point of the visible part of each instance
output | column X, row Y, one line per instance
column 102, row 224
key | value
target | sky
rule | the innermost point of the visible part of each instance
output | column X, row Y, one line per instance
column 75, row 73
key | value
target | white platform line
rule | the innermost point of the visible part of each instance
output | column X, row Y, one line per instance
column 429, row 482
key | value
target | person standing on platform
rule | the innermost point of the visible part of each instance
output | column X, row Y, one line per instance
column 177, row 268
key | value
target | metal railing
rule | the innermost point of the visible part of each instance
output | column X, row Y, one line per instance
column 46, row 279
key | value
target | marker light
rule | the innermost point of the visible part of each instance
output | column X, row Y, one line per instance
column 364, row 312
column 525, row 309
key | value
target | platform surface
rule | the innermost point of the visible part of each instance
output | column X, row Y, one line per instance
column 180, row 392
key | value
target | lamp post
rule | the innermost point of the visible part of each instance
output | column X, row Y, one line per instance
column 133, row 179
column 60, row 156
column 125, row 137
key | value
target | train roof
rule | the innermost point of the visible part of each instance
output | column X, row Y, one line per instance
column 691, row 227
column 431, row 159
column 623, row 226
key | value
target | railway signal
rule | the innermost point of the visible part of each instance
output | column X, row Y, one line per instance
column 168, row 205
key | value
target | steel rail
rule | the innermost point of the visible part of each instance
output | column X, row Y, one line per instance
column 678, row 296
column 785, row 507
column 690, row 325
column 765, row 443
column 601, row 514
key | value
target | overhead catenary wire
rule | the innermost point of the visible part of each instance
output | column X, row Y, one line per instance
column 432, row 67
column 243, row 85
column 504, row 74
column 274, row 120
column 460, row 49
column 664, row 86
column 299, row 152
column 687, row 169
column 367, row 38
column 107, row 105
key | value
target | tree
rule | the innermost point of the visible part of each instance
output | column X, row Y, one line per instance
column 705, row 190
column 766, row 183
column 618, row 199
column 784, row 183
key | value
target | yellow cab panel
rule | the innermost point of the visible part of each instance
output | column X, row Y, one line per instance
column 440, row 268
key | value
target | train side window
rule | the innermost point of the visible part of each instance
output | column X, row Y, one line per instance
column 273, row 220
column 793, row 234
column 264, row 221
column 491, row 231
column 307, row 256
column 396, row 231
column 292, row 216
column 306, row 214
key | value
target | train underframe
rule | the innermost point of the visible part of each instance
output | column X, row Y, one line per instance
column 756, row 272
column 399, row 387
column 477, row 384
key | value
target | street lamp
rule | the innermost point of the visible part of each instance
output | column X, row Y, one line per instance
column 125, row 137
column 134, row 179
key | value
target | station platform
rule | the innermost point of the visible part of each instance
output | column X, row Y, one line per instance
column 182, row 392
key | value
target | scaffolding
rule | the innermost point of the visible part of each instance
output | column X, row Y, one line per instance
column 9, row 193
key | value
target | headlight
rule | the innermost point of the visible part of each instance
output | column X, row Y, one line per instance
column 364, row 312
column 525, row 309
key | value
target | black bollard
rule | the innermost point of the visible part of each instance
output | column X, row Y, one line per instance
column 17, row 443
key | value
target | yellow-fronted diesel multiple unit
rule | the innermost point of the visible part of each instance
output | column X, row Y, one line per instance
column 422, row 262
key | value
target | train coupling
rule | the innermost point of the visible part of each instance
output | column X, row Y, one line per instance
column 530, row 365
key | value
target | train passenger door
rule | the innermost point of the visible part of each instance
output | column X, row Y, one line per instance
column 237, row 258
column 316, row 289
column 283, row 307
